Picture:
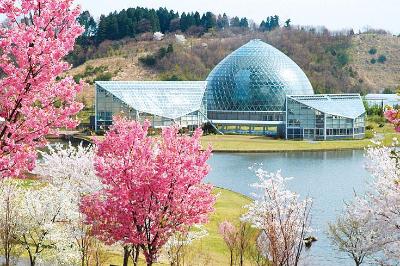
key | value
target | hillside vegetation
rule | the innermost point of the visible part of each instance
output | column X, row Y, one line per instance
column 334, row 64
column 366, row 49
column 120, row 46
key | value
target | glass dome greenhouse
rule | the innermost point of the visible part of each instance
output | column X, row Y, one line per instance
column 256, row 77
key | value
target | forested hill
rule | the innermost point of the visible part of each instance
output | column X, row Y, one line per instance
column 121, row 46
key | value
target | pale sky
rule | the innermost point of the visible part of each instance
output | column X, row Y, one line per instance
column 334, row 14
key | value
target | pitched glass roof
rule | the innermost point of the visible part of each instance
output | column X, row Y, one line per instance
column 167, row 99
column 345, row 105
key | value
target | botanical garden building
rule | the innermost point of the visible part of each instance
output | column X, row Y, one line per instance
column 255, row 90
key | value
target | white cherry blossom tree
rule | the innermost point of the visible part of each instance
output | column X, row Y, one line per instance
column 46, row 213
column 10, row 201
column 283, row 218
column 70, row 168
column 370, row 225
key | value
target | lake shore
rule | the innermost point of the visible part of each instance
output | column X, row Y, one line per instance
column 261, row 144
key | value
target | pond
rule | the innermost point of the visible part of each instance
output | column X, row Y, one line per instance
column 330, row 178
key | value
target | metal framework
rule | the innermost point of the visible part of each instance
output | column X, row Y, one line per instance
column 246, row 91
column 325, row 116
column 161, row 102
column 254, row 78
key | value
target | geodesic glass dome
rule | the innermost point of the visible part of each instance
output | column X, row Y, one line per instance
column 255, row 77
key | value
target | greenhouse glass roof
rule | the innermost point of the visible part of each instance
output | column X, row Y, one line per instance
column 255, row 77
column 345, row 105
column 167, row 99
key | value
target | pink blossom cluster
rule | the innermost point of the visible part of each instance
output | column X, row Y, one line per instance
column 34, row 98
column 153, row 186
column 393, row 116
column 228, row 232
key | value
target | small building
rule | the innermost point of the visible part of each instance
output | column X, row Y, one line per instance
column 382, row 100
column 325, row 117
column 161, row 102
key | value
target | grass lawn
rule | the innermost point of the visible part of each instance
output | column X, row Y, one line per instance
column 246, row 143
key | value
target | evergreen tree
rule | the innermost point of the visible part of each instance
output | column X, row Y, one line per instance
column 183, row 22
column 244, row 23
column 164, row 18
column 88, row 22
column 208, row 20
column 197, row 19
column 287, row 23
column 102, row 29
column 225, row 21
column 90, row 26
column 222, row 21
column 235, row 22
column 270, row 24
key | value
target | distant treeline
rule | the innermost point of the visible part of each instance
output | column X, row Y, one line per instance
column 134, row 21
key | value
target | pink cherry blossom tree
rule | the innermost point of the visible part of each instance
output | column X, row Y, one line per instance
column 229, row 233
column 393, row 116
column 34, row 99
column 153, row 186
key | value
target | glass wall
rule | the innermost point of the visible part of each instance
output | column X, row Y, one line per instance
column 108, row 105
column 305, row 122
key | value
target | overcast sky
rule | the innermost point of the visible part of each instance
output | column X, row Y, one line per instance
column 334, row 14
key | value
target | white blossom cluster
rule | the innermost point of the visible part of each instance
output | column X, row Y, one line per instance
column 369, row 228
column 46, row 214
column 282, row 217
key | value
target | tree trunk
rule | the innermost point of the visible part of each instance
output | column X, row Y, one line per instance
column 7, row 257
column 231, row 258
column 135, row 254
column 127, row 253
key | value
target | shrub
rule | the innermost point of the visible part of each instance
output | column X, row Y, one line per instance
column 382, row 59
column 77, row 78
column 369, row 134
column 90, row 70
column 106, row 76
column 372, row 51
column 376, row 119
column 173, row 77
column 343, row 59
column 369, row 127
column 387, row 91
column 373, row 61
column 148, row 60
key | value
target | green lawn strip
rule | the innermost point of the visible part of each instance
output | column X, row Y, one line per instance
column 230, row 207
column 247, row 143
